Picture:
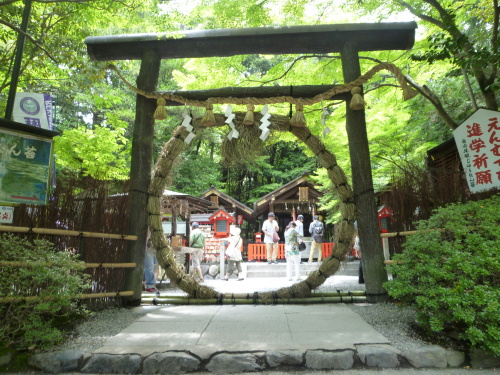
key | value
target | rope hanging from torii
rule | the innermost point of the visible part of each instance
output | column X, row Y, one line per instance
column 357, row 102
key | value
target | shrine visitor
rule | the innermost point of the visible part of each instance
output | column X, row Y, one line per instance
column 151, row 267
column 233, row 251
column 270, row 229
column 300, row 224
column 292, row 253
column 317, row 230
column 197, row 240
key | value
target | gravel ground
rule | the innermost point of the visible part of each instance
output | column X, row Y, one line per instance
column 390, row 320
column 95, row 331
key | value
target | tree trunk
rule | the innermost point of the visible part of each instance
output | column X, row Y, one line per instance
column 140, row 174
column 364, row 198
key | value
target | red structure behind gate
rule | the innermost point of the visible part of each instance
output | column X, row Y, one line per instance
column 257, row 251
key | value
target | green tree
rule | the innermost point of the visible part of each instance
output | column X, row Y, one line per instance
column 464, row 34
column 101, row 153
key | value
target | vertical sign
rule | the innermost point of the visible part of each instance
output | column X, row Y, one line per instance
column 239, row 220
column 33, row 109
column 478, row 143
column 6, row 214
column 24, row 167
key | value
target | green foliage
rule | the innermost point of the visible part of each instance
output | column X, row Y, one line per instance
column 195, row 174
column 37, row 323
column 102, row 153
column 450, row 270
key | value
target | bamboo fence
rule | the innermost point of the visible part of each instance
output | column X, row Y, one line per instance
column 64, row 232
column 88, row 219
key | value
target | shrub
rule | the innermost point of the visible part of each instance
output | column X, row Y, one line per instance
column 55, row 277
column 450, row 270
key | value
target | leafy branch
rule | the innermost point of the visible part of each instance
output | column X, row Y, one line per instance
column 463, row 48
column 303, row 57
column 434, row 100
column 18, row 30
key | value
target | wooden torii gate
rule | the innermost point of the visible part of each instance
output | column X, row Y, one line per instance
column 346, row 39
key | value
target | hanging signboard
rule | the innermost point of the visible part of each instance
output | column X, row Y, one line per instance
column 24, row 167
column 478, row 144
column 33, row 109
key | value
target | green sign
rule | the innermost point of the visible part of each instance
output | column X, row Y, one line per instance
column 25, row 165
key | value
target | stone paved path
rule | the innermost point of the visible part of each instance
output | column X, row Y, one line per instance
column 206, row 329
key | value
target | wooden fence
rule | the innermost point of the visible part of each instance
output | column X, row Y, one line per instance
column 257, row 251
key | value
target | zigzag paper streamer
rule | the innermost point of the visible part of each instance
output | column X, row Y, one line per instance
column 187, row 124
column 265, row 123
column 323, row 121
column 229, row 120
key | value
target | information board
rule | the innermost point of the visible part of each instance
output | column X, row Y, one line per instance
column 24, row 167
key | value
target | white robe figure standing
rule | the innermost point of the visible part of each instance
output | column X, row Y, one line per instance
column 233, row 251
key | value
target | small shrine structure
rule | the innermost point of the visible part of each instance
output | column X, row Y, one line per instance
column 298, row 197
column 220, row 199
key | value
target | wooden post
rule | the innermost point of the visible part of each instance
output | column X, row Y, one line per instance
column 174, row 217
column 222, row 261
column 188, row 232
column 364, row 197
column 385, row 246
column 140, row 172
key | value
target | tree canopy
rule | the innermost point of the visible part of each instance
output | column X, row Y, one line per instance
column 454, row 65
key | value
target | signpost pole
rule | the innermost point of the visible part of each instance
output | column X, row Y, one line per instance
column 21, row 38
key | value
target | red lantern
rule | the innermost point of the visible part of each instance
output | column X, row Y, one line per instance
column 221, row 221
column 384, row 216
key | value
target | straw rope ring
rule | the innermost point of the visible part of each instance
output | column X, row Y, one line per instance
column 165, row 162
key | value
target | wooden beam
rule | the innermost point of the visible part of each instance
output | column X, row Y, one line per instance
column 303, row 91
column 263, row 40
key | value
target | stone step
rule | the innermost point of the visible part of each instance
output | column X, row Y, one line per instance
column 260, row 269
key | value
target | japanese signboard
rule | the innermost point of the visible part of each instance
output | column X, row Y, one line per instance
column 478, row 144
column 24, row 167
column 6, row 214
column 33, row 109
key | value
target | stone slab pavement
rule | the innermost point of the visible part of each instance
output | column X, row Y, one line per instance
column 204, row 330
column 385, row 371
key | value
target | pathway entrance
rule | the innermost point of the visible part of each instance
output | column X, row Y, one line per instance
column 205, row 330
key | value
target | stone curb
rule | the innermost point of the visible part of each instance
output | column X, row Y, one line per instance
column 178, row 362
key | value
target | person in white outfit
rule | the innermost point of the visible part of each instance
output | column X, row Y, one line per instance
column 300, row 224
column 234, row 252
column 292, row 253
column 269, row 227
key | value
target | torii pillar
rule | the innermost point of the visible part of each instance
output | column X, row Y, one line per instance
column 140, row 173
column 362, row 184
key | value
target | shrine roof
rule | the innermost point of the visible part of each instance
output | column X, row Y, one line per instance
column 286, row 193
column 195, row 203
column 262, row 40
column 229, row 201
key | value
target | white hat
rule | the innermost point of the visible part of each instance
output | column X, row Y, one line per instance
column 235, row 231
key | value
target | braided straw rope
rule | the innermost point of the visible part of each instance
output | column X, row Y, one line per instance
column 328, row 267
column 408, row 92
